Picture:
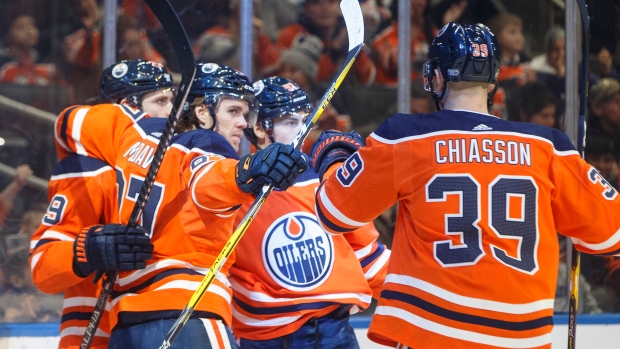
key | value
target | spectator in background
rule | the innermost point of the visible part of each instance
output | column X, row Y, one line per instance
column 514, row 71
column 604, row 116
column 276, row 14
column 323, row 18
column 19, row 61
column 220, row 43
column 385, row 44
column 602, row 66
column 132, row 42
column 538, row 105
column 8, row 194
column 83, row 51
column 300, row 64
column 587, row 303
column 550, row 67
column 21, row 302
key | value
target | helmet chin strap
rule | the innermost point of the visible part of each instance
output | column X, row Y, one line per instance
column 437, row 97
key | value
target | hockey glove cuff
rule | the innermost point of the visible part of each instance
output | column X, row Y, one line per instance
column 334, row 146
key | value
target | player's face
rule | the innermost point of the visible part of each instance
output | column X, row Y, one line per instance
column 286, row 128
column 231, row 119
column 158, row 104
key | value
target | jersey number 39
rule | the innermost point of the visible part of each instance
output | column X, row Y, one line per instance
column 506, row 194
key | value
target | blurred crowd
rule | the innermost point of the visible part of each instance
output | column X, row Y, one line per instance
column 58, row 45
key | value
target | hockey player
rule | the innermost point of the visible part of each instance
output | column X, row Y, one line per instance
column 295, row 285
column 82, row 193
column 190, row 211
column 475, row 254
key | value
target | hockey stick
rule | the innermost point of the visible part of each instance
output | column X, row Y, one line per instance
column 183, row 50
column 355, row 27
column 575, row 261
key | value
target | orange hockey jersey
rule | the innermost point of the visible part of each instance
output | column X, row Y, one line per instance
column 188, row 227
column 81, row 193
column 289, row 270
column 475, row 253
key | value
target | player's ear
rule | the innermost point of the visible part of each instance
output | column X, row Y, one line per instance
column 124, row 101
column 490, row 88
column 204, row 116
column 438, row 82
column 261, row 135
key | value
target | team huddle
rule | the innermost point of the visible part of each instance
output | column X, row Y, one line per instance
column 475, row 251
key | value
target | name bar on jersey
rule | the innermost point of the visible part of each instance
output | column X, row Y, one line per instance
column 485, row 150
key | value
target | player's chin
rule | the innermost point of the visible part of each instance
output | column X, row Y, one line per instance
column 235, row 141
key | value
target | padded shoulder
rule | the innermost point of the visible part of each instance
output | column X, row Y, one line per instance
column 208, row 141
column 401, row 127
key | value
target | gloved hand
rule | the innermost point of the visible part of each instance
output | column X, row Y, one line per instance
column 334, row 146
column 109, row 247
column 279, row 164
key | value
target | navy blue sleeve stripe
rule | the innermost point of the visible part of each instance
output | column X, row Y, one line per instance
column 65, row 122
column 282, row 309
column 75, row 163
column 372, row 257
column 467, row 318
column 76, row 315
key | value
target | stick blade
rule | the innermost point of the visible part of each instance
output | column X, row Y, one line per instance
column 352, row 14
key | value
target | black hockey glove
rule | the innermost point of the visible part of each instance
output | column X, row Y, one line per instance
column 334, row 146
column 110, row 247
column 279, row 164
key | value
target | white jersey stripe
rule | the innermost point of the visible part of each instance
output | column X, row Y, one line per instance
column 476, row 303
column 495, row 341
column 34, row 260
column 123, row 281
column 378, row 265
column 250, row 321
column 613, row 240
column 335, row 212
column 55, row 235
column 193, row 285
column 77, row 130
column 81, row 174
column 361, row 253
column 222, row 329
column 265, row 298
column 82, row 302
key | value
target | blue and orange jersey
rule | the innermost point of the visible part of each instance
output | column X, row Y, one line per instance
column 475, row 254
column 289, row 270
column 189, row 213
column 81, row 193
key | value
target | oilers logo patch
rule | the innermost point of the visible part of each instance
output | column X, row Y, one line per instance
column 120, row 70
column 209, row 68
column 297, row 253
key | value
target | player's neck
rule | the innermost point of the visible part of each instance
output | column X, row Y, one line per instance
column 466, row 101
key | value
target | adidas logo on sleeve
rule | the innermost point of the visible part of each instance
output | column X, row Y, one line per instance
column 482, row 127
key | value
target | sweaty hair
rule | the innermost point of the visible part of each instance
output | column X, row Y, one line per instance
column 534, row 98
column 188, row 120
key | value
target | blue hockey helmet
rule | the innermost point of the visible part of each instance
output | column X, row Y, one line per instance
column 213, row 81
column 131, row 79
column 277, row 97
column 462, row 53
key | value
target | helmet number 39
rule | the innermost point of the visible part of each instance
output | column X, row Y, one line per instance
column 479, row 50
